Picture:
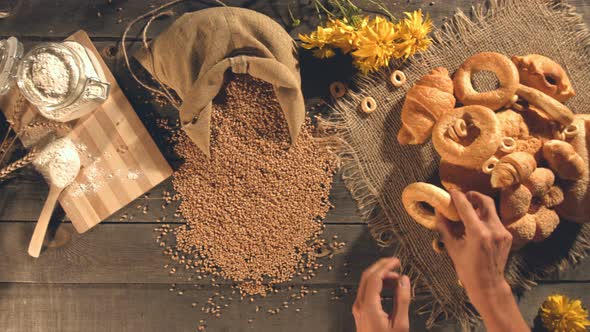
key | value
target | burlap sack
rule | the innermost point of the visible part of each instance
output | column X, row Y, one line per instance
column 376, row 168
column 194, row 53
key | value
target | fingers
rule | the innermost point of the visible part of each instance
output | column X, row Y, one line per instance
column 443, row 227
column 372, row 278
column 485, row 208
column 401, row 310
column 375, row 280
column 466, row 211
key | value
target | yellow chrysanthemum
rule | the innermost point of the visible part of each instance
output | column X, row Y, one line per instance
column 343, row 36
column 559, row 314
column 319, row 41
column 413, row 34
column 375, row 44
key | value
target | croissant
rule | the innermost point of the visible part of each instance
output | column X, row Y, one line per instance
column 512, row 169
column 576, row 204
column 563, row 159
column 545, row 75
column 430, row 97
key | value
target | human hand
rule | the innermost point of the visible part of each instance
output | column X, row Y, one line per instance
column 479, row 246
column 367, row 310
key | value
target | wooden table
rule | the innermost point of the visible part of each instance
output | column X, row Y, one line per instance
column 113, row 278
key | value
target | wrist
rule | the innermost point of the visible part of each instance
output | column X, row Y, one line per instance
column 490, row 301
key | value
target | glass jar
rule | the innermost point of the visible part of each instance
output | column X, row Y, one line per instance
column 63, row 80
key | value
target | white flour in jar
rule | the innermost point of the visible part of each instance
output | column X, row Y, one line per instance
column 59, row 162
column 50, row 76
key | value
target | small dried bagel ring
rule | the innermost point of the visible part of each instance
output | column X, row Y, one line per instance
column 368, row 105
column 418, row 195
column 570, row 131
column 338, row 89
column 398, row 78
column 438, row 246
column 489, row 165
column 508, row 145
column 499, row 64
column 482, row 141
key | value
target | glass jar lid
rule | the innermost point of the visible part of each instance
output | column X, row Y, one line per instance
column 11, row 51
column 49, row 75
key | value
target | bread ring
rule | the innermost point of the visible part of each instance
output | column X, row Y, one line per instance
column 505, row 71
column 368, row 105
column 438, row 246
column 508, row 145
column 547, row 107
column 398, row 78
column 545, row 75
column 482, row 141
column 489, row 165
column 571, row 131
column 416, row 195
column 338, row 89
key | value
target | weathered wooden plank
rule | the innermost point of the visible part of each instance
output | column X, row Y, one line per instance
column 152, row 307
column 21, row 199
column 108, row 19
column 131, row 307
column 106, row 253
column 128, row 253
column 580, row 272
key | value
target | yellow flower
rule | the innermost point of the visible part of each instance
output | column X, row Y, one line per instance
column 319, row 41
column 375, row 44
column 413, row 34
column 343, row 36
column 559, row 314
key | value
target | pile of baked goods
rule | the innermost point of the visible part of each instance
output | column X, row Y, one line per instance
column 518, row 143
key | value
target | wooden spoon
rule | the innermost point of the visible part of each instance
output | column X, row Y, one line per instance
column 59, row 162
column 43, row 222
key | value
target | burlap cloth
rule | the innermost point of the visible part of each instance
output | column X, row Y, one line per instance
column 376, row 168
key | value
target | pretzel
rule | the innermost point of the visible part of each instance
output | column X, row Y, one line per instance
column 501, row 66
column 418, row 195
column 482, row 141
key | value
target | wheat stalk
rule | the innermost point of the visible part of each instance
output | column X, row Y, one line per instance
column 24, row 161
column 47, row 125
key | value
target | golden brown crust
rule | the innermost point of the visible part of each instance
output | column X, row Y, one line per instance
column 548, row 107
column 430, row 97
column 576, row 204
column 497, row 63
column 481, row 143
column 545, row 75
column 416, row 195
column 464, row 178
column 512, row 169
column 564, row 160
column 514, row 203
column 525, row 209
column 546, row 221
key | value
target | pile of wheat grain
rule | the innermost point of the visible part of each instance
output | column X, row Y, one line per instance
column 254, row 210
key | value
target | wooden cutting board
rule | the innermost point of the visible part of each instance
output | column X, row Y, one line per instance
column 120, row 160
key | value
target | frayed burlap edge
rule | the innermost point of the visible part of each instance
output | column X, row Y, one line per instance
column 384, row 228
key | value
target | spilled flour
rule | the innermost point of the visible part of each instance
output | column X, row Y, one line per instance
column 59, row 162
